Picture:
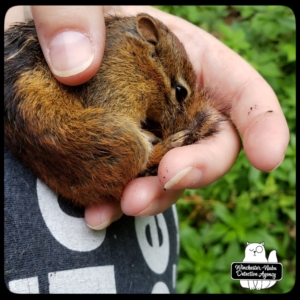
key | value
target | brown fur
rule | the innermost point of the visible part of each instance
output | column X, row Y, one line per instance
column 87, row 142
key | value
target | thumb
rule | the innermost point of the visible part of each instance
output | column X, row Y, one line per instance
column 72, row 39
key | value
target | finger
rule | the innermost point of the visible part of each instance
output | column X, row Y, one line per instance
column 14, row 14
column 200, row 164
column 146, row 196
column 72, row 39
column 268, row 136
column 255, row 109
column 101, row 216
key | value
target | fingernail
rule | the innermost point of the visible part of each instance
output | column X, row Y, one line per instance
column 150, row 210
column 27, row 12
column 70, row 53
column 186, row 178
column 101, row 226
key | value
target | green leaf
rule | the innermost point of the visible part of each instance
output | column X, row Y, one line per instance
column 232, row 254
column 292, row 178
column 185, row 265
column 291, row 213
column 200, row 282
column 216, row 232
column 287, row 201
column 288, row 281
column 212, row 285
column 229, row 236
column 271, row 186
column 193, row 13
column 225, row 282
column 195, row 255
column 254, row 175
column 287, row 24
column 244, row 201
column 189, row 238
column 269, row 69
column 223, row 213
column 265, row 216
column 290, row 51
column 184, row 283
column 246, row 11
column 225, row 30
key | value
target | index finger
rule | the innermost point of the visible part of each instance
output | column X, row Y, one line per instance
column 254, row 107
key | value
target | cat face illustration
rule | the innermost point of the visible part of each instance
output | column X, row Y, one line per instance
column 255, row 252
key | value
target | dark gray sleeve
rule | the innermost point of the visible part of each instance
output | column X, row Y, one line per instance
column 48, row 248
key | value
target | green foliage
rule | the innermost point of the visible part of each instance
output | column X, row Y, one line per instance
column 246, row 204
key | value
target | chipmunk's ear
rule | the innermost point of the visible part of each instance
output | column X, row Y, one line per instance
column 148, row 29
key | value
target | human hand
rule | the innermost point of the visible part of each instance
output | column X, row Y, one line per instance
column 265, row 134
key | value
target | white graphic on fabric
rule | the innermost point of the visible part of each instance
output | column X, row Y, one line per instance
column 174, row 275
column 176, row 223
column 153, row 239
column 24, row 286
column 92, row 280
column 160, row 288
column 71, row 232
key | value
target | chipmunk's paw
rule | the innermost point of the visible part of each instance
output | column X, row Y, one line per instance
column 178, row 139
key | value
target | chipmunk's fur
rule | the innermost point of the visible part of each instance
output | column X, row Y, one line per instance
column 87, row 142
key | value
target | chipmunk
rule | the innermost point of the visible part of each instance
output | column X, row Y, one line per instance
column 87, row 142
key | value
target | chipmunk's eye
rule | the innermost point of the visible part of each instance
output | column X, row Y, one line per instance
column 181, row 93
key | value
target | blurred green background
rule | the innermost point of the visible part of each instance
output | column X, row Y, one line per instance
column 246, row 204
